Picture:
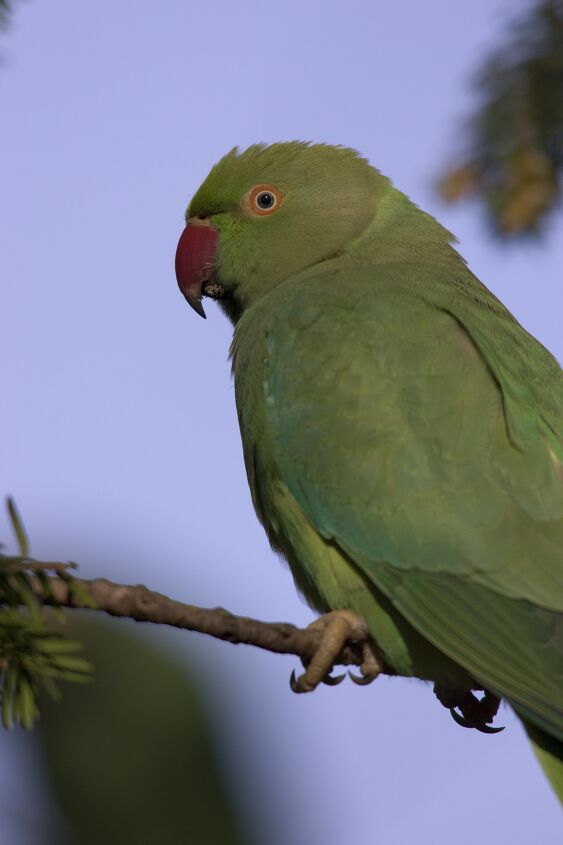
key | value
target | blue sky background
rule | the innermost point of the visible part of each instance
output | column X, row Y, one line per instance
column 119, row 435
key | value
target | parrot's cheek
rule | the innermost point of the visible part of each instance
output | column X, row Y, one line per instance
column 194, row 262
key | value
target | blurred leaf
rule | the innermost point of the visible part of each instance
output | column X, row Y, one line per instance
column 132, row 759
column 17, row 525
column 6, row 9
column 513, row 155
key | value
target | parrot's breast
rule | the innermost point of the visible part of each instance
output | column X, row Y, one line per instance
column 323, row 573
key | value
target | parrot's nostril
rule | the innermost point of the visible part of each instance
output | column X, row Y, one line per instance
column 214, row 290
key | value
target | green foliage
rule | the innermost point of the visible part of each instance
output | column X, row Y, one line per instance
column 33, row 654
column 513, row 155
column 140, row 746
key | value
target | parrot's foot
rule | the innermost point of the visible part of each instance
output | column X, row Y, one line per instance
column 474, row 712
column 337, row 629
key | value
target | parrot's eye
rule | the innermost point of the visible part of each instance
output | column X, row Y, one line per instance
column 263, row 199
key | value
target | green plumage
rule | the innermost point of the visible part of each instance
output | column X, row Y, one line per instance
column 402, row 432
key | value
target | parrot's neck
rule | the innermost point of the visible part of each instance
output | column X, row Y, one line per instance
column 399, row 232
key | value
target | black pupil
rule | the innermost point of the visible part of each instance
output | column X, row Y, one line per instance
column 265, row 199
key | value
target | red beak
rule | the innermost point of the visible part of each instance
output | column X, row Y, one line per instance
column 194, row 261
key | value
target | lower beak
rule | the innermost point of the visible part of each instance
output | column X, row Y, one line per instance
column 194, row 261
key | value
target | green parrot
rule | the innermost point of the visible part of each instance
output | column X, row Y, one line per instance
column 402, row 433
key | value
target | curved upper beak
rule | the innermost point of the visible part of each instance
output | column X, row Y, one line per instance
column 194, row 260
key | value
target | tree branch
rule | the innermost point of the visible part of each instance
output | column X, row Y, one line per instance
column 144, row 605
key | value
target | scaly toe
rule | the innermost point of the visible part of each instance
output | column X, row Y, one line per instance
column 301, row 683
column 336, row 629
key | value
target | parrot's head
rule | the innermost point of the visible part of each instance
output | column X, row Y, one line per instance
column 268, row 213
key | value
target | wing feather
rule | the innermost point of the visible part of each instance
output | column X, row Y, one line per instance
column 412, row 435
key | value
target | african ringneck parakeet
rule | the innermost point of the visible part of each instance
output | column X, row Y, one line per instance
column 402, row 432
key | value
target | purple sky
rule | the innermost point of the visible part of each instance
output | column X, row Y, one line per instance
column 120, row 440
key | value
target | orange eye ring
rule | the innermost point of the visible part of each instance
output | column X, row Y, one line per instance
column 263, row 200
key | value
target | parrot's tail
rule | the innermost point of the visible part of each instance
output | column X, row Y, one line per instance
column 549, row 752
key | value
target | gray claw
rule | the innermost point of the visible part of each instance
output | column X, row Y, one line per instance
column 333, row 680
column 361, row 680
column 293, row 682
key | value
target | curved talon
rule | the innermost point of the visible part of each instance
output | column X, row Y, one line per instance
column 361, row 680
column 293, row 682
column 333, row 680
column 460, row 720
column 465, row 723
column 488, row 729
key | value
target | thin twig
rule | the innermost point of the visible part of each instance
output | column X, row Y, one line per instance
column 143, row 605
